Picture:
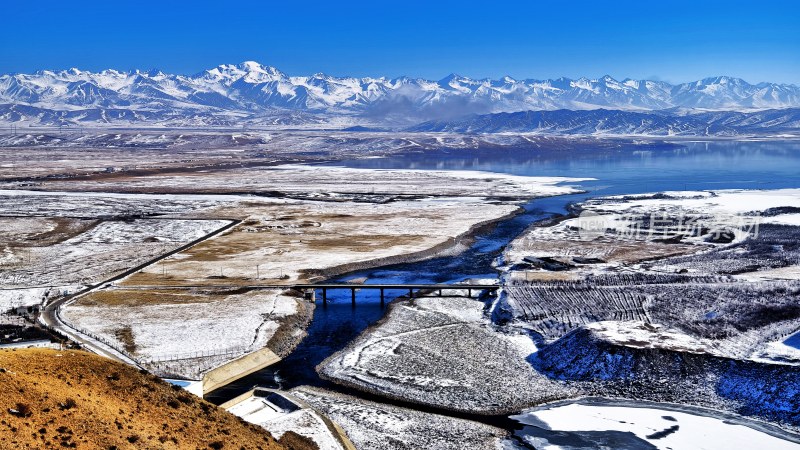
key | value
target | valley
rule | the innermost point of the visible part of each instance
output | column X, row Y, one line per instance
column 644, row 308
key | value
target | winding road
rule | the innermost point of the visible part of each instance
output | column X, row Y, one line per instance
column 51, row 313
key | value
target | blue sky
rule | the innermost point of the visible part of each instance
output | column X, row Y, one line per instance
column 674, row 41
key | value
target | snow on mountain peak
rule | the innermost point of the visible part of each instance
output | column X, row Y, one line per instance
column 250, row 87
column 257, row 68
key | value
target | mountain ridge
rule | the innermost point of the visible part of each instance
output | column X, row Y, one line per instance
column 624, row 123
column 233, row 93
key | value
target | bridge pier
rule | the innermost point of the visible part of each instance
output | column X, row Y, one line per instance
column 309, row 291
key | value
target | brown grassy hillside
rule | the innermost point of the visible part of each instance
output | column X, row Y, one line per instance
column 67, row 399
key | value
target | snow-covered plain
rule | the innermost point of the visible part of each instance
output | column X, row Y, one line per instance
column 625, row 230
column 182, row 333
column 16, row 298
column 335, row 183
column 783, row 350
column 304, row 421
column 441, row 351
column 283, row 242
column 661, row 429
column 637, row 238
column 371, row 425
column 644, row 335
column 88, row 205
column 721, row 203
column 98, row 253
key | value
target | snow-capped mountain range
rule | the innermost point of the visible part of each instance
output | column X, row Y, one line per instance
column 231, row 94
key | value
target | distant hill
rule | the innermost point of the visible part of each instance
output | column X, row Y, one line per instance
column 69, row 399
column 614, row 122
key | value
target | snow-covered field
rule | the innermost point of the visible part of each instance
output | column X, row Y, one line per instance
column 371, row 425
column 577, row 426
column 720, row 204
column 87, row 205
column 625, row 230
column 441, row 351
column 16, row 298
column 784, row 350
column 100, row 252
column 336, row 183
column 696, row 215
column 277, row 420
column 283, row 242
column 184, row 333
column 278, row 242
column 665, row 240
column 645, row 335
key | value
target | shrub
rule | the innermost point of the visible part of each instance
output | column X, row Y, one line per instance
column 294, row 441
column 21, row 410
column 67, row 404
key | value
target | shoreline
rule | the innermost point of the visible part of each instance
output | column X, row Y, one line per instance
column 161, row 129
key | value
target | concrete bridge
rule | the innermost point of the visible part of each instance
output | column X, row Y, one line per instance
column 411, row 288
column 310, row 289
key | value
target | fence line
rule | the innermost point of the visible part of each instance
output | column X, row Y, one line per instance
column 159, row 365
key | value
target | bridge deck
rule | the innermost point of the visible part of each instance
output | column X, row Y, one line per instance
column 310, row 289
column 395, row 286
column 318, row 286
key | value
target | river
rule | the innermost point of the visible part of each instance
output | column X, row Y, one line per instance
column 628, row 169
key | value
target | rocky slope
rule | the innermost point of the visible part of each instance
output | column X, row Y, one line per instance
column 74, row 399
column 650, row 369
